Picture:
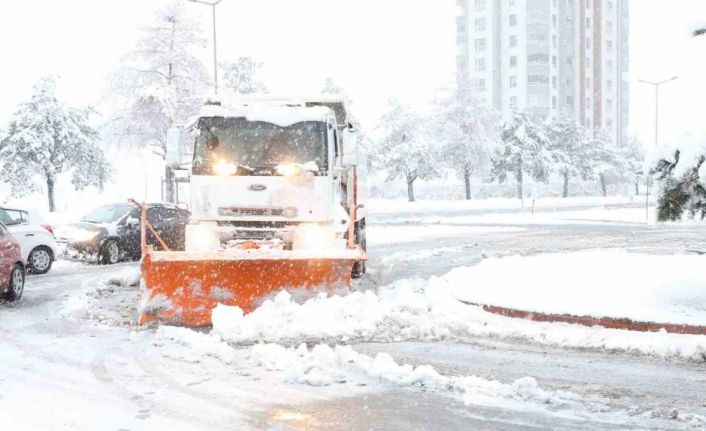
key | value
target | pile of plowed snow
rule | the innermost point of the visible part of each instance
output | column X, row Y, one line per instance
column 323, row 365
column 424, row 310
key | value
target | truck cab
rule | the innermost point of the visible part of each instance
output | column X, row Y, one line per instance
column 282, row 172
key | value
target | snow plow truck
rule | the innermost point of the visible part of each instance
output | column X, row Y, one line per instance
column 277, row 196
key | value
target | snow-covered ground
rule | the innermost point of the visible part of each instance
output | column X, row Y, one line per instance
column 600, row 283
column 398, row 352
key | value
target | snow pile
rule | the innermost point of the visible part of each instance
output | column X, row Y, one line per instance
column 200, row 344
column 404, row 312
column 428, row 310
column 323, row 365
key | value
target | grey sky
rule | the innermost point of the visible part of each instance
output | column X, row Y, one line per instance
column 376, row 49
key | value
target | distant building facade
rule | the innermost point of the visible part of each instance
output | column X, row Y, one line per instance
column 550, row 57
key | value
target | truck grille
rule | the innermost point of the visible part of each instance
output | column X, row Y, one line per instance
column 257, row 212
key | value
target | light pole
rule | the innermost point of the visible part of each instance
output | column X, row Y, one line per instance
column 656, row 85
column 647, row 177
column 213, row 4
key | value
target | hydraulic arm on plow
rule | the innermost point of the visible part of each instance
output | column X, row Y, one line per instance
column 277, row 203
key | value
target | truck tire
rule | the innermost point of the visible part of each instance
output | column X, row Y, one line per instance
column 17, row 284
column 360, row 236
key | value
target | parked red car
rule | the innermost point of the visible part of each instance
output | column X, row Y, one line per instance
column 12, row 270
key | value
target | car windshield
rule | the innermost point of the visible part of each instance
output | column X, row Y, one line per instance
column 107, row 214
column 258, row 144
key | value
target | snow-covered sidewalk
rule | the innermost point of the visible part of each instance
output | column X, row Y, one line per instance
column 601, row 283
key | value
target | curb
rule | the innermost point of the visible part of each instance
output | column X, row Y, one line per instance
column 606, row 322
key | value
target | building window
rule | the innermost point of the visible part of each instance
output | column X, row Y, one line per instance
column 588, row 23
column 588, row 62
column 609, row 64
column 554, row 20
column 609, row 84
column 570, row 101
column 609, row 25
column 480, row 65
column 553, row 102
column 513, row 81
column 609, row 123
column 513, row 20
column 553, row 81
column 554, row 60
column 609, row 45
column 610, row 5
column 480, row 24
column 480, row 5
column 480, row 45
column 538, row 58
column 513, row 102
column 554, row 41
column 480, row 85
column 513, row 61
column 513, row 40
column 588, row 43
column 609, row 104
column 588, row 82
column 537, row 79
column 588, row 4
column 512, row 2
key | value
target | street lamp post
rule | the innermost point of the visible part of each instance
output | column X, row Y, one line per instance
column 656, row 85
column 213, row 4
column 647, row 177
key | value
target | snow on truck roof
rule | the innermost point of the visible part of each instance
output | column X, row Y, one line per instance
column 282, row 116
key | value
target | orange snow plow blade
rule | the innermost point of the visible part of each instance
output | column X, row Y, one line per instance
column 182, row 288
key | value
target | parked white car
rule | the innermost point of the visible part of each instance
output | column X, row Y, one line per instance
column 35, row 236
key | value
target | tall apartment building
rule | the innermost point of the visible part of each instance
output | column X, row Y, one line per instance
column 549, row 57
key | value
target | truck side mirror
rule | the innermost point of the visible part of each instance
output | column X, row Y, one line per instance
column 350, row 147
column 174, row 137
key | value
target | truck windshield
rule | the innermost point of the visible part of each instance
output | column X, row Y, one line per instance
column 257, row 144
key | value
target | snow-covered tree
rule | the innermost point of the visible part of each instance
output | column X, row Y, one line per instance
column 616, row 164
column 331, row 87
column 242, row 76
column 681, row 172
column 524, row 151
column 161, row 82
column 403, row 149
column 468, row 133
column 45, row 139
column 573, row 153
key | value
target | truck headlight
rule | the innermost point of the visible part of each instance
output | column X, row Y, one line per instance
column 288, row 169
column 202, row 237
column 312, row 237
column 225, row 169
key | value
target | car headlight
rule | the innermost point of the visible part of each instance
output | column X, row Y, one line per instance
column 81, row 235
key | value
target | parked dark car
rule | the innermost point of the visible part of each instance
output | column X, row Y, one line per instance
column 12, row 270
column 111, row 233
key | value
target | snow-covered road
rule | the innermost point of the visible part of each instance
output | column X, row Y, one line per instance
column 73, row 360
